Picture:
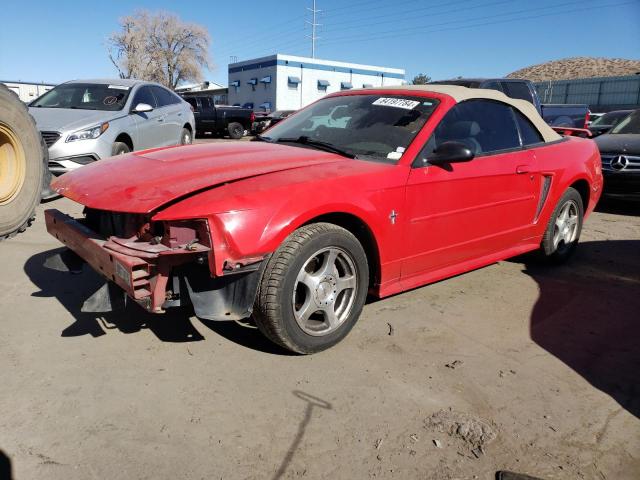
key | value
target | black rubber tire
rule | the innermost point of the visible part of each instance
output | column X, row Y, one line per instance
column 273, row 313
column 563, row 252
column 119, row 148
column 185, row 137
column 236, row 131
column 19, row 212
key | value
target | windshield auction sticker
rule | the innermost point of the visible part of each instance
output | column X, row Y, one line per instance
column 397, row 102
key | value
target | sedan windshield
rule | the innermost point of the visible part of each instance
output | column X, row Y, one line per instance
column 630, row 124
column 611, row 118
column 84, row 96
column 358, row 126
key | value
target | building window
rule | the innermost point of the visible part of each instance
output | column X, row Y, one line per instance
column 367, row 85
column 266, row 79
column 293, row 82
column 323, row 84
column 346, row 85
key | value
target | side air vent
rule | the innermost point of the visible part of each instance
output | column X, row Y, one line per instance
column 544, row 192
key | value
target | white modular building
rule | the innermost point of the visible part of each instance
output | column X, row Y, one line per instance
column 287, row 82
column 28, row 91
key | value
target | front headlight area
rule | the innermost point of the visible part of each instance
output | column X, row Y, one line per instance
column 88, row 133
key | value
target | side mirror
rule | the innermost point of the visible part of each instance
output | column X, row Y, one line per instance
column 450, row 152
column 142, row 107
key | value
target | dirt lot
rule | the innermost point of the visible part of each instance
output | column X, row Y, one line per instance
column 514, row 366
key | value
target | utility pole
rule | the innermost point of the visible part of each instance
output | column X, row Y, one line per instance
column 314, row 25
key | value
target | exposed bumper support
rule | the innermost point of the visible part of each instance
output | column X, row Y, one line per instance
column 141, row 274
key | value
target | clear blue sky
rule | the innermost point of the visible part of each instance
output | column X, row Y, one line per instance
column 53, row 42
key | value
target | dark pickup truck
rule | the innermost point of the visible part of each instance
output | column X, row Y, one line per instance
column 556, row 115
column 218, row 119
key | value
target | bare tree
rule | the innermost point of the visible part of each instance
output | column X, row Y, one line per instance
column 421, row 79
column 159, row 47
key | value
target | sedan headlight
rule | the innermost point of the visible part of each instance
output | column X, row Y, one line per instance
column 88, row 133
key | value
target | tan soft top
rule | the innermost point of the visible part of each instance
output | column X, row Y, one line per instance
column 460, row 94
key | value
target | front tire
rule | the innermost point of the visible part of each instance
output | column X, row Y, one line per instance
column 185, row 137
column 313, row 289
column 119, row 148
column 563, row 231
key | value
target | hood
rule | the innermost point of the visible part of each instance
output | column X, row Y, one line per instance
column 68, row 119
column 144, row 181
column 619, row 143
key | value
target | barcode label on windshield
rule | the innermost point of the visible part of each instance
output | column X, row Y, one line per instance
column 397, row 102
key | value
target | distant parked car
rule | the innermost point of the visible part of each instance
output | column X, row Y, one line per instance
column 262, row 123
column 620, row 152
column 234, row 121
column 86, row 120
column 556, row 115
column 607, row 121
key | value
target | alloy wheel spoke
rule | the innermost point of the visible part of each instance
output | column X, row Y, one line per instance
column 330, row 315
column 306, row 310
column 328, row 266
column 311, row 281
column 346, row 282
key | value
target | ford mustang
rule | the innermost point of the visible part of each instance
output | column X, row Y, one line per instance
column 364, row 192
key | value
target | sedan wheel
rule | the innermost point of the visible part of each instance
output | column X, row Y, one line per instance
column 186, row 138
column 313, row 288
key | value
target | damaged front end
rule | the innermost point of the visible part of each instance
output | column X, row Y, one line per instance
column 158, row 264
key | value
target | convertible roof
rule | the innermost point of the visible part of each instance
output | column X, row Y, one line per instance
column 460, row 94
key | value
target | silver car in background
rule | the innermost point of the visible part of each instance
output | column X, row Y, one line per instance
column 85, row 120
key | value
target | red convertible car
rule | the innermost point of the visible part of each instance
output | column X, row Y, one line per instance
column 370, row 191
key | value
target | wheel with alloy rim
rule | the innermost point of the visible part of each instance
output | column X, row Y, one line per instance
column 563, row 231
column 313, row 288
column 186, row 138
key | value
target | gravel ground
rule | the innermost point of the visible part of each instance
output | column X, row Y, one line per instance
column 514, row 366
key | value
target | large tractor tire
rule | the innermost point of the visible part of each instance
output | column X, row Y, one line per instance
column 22, row 165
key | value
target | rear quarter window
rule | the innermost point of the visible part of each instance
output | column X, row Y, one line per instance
column 528, row 132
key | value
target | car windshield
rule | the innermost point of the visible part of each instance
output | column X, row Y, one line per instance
column 85, row 96
column 630, row 124
column 374, row 126
column 611, row 118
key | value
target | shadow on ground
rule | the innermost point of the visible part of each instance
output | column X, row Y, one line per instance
column 618, row 205
column 173, row 326
column 587, row 315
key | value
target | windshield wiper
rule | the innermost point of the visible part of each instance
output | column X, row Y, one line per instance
column 327, row 147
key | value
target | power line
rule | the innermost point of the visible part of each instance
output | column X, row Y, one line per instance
column 395, row 34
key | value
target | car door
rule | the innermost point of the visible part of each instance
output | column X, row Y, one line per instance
column 171, row 124
column 464, row 211
column 208, row 114
column 147, row 131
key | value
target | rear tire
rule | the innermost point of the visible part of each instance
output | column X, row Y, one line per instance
column 563, row 231
column 119, row 148
column 313, row 289
column 21, row 165
column 236, row 131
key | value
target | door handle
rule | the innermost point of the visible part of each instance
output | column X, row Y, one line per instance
column 520, row 169
column 161, row 119
column 180, row 114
